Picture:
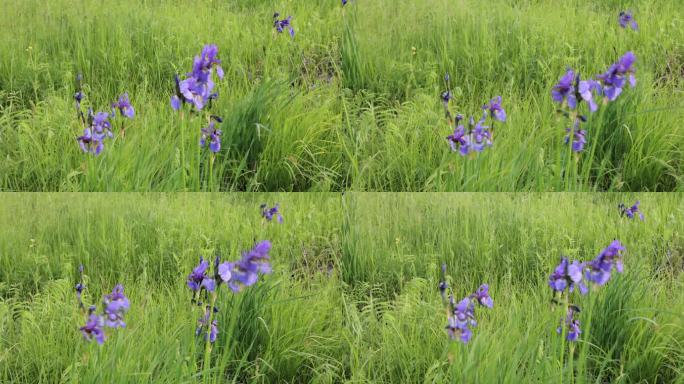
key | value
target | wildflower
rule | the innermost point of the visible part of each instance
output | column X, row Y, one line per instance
column 577, row 135
column 280, row 25
column 116, row 305
column 482, row 296
column 197, row 88
column 565, row 91
column 213, row 329
column 124, row 106
column 459, row 139
column 626, row 19
column 214, row 135
column 93, row 329
column 244, row 273
column 91, row 142
column 586, row 90
column 631, row 211
column 495, row 110
column 480, row 136
column 599, row 270
column 344, row 2
column 268, row 213
column 567, row 275
column 100, row 123
column 198, row 278
column 613, row 79
column 460, row 321
column 571, row 323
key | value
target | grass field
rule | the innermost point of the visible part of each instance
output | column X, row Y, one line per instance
column 353, row 295
column 352, row 102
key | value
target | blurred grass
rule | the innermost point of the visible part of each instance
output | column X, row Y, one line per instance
column 353, row 295
column 350, row 103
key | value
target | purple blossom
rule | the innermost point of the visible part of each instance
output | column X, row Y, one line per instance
column 460, row 321
column 197, row 88
column 91, row 142
column 568, row 275
column 495, row 110
column 482, row 296
column 244, row 273
column 571, row 323
column 565, row 91
column 626, row 19
column 599, row 270
column 577, row 135
column 94, row 328
column 613, row 79
column 632, row 211
column 269, row 213
column 203, row 321
column 116, row 305
column 280, row 25
column 198, row 278
column 586, row 90
column 124, row 106
column 214, row 135
column 476, row 139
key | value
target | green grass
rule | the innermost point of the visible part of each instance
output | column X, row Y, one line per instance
column 350, row 103
column 353, row 295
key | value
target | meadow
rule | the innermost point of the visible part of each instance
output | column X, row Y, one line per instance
column 351, row 102
column 353, row 295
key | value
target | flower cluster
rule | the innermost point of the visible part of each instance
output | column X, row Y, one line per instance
column 281, row 24
column 567, row 277
column 197, row 89
column 98, row 126
column 572, row 324
column 235, row 275
column 571, row 91
column 477, row 136
column 626, row 19
column 213, row 134
column 632, row 211
column 269, row 213
column 461, row 315
column 114, row 307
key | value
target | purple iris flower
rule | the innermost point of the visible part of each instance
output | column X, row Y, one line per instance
column 614, row 78
column 197, row 88
column 244, row 273
column 482, row 296
column 269, row 213
column 568, row 275
column 626, row 19
column 214, row 135
column 100, row 123
column 631, row 211
column 91, row 142
column 203, row 321
column 195, row 91
column 460, row 321
column 124, row 106
column 116, row 305
column 577, row 135
column 565, row 91
column 572, row 324
column 480, row 137
column 586, row 90
column 80, row 287
column 94, row 329
column 198, row 278
column 495, row 110
column 280, row 25
column 344, row 2
column 599, row 270
column 459, row 141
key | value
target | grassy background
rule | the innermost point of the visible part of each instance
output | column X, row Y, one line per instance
column 350, row 103
column 353, row 296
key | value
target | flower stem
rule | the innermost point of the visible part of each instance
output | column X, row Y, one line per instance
column 207, row 346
